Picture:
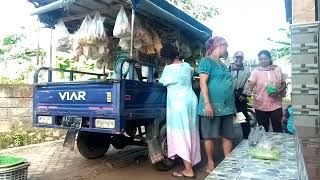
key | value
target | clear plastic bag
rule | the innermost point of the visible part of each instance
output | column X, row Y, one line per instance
column 147, row 39
column 266, row 151
column 124, row 44
column 121, row 27
column 83, row 32
column 103, row 59
column 62, row 36
column 97, row 34
column 256, row 135
column 137, row 44
column 96, row 51
column 157, row 41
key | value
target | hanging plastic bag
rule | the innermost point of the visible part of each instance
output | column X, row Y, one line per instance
column 139, row 30
column 157, row 41
column 83, row 32
column 147, row 39
column 256, row 135
column 96, row 51
column 96, row 31
column 271, row 85
column 239, row 118
column 103, row 59
column 124, row 44
column 121, row 27
column 63, row 38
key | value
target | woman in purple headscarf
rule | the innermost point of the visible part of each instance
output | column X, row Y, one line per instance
column 216, row 104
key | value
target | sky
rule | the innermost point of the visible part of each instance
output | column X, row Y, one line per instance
column 246, row 24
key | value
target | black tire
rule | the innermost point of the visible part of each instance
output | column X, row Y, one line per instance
column 93, row 145
column 121, row 141
column 253, row 120
column 166, row 164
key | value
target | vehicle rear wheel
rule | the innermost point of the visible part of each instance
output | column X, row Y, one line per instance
column 93, row 145
column 167, row 163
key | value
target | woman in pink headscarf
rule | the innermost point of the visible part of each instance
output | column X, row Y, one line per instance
column 267, row 84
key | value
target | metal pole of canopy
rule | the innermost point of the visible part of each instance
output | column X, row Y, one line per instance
column 133, row 13
column 50, row 58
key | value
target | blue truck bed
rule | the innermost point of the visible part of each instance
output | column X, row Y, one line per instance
column 117, row 101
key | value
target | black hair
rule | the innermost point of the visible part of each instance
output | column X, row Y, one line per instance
column 169, row 53
column 267, row 53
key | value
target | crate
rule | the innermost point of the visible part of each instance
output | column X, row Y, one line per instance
column 19, row 172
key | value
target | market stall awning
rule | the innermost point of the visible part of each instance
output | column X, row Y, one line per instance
column 160, row 10
column 167, row 12
column 288, row 6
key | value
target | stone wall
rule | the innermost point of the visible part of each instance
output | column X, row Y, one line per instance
column 305, row 74
column 15, row 106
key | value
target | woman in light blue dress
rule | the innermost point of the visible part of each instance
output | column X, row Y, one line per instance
column 182, row 119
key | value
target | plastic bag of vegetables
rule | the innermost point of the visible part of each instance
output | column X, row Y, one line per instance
column 83, row 32
column 121, row 27
column 62, row 36
column 265, row 151
column 97, row 34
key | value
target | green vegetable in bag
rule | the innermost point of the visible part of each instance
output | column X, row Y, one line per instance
column 271, row 89
column 264, row 154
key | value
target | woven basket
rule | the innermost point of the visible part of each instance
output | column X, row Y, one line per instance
column 19, row 172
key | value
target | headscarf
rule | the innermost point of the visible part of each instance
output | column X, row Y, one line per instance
column 213, row 43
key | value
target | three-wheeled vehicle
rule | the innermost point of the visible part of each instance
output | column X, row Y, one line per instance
column 122, row 110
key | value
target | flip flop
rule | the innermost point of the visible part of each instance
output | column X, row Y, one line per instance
column 177, row 174
column 206, row 170
column 209, row 171
column 180, row 174
column 189, row 177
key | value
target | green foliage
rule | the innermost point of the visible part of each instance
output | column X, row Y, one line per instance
column 11, row 39
column 284, row 46
column 18, row 139
column 15, row 48
column 6, row 80
column 281, row 52
column 28, row 54
column 12, row 42
column 200, row 10
column 22, row 136
column 68, row 64
column 2, row 52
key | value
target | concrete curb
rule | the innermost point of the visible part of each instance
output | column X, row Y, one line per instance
column 3, row 151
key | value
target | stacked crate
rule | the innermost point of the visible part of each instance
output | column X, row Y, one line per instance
column 305, row 74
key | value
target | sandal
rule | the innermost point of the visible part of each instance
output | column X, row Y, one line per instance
column 209, row 171
column 177, row 174
column 182, row 175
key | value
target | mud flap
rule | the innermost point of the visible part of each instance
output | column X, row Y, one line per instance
column 155, row 151
column 70, row 139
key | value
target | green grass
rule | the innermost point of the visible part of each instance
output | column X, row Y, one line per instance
column 21, row 137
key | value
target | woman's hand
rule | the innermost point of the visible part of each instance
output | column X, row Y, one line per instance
column 275, row 95
column 209, row 110
column 242, row 98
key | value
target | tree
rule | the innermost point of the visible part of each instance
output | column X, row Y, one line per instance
column 12, row 48
column 15, row 50
column 199, row 9
column 284, row 45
